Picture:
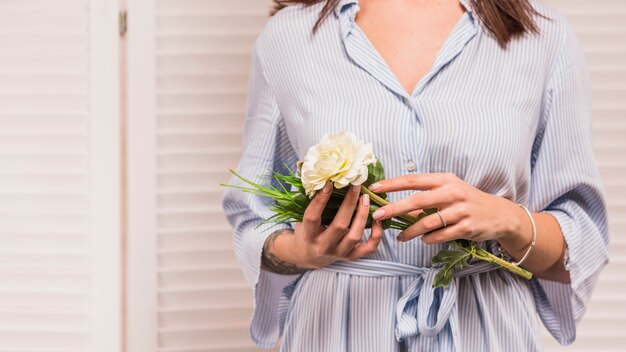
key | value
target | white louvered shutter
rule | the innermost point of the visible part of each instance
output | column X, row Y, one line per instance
column 188, row 73
column 601, row 27
column 192, row 62
column 59, row 222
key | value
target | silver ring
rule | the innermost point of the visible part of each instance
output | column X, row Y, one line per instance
column 442, row 219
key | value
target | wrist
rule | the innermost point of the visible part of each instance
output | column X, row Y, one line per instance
column 277, row 253
column 518, row 235
column 291, row 249
column 285, row 247
column 297, row 252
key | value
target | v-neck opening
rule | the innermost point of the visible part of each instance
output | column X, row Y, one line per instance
column 437, row 63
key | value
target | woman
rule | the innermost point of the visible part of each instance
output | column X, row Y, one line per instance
column 486, row 105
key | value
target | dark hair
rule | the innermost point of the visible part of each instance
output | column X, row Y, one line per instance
column 505, row 19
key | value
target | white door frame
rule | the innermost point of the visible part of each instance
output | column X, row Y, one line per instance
column 105, row 181
column 141, row 167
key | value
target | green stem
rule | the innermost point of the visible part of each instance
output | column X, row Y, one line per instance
column 482, row 254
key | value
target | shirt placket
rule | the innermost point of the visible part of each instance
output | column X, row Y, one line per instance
column 364, row 54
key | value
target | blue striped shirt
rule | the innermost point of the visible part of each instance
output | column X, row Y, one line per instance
column 514, row 123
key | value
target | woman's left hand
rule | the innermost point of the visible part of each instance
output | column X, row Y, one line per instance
column 469, row 212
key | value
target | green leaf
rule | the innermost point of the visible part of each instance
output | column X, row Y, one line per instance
column 301, row 199
column 465, row 243
column 451, row 260
column 377, row 170
column 375, row 173
column 445, row 256
column 284, row 203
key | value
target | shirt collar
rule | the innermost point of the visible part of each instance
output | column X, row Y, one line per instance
column 468, row 4
column 347, row 3
column 343, row 4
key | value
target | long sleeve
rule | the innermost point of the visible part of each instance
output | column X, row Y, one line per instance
column 266, row 147
column 566, row 183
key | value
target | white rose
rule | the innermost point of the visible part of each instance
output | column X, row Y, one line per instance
column 339, row 158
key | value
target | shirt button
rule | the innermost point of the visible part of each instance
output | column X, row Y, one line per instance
column 410, row 166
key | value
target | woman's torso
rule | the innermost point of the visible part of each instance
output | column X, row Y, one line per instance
column 475, row 114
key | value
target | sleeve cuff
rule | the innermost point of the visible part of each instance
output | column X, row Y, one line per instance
column 272, row 300
column 585, row 256
column 271, row 291
column 561, row 306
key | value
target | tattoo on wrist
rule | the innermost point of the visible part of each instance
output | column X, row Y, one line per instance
column 275, row 264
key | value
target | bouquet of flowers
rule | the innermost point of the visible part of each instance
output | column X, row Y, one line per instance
column 343, row 160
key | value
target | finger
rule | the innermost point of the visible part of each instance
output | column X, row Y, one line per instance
column 342, row 218
column 423, row 181
column 429, row 223
column 366, row 248
column 312, row 218
column 445, row 234
column 437, row 198
column 353, row 237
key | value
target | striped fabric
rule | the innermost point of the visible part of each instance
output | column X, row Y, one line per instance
column 514, row 123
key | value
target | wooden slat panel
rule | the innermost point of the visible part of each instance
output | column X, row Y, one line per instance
column 202, row 57
column 45, row 275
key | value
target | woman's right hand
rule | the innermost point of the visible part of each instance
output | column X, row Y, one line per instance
column 315, row 246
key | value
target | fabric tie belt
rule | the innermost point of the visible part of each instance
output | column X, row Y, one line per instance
column 419, row 301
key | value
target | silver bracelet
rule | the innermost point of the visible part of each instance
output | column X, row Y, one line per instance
column 532, row 244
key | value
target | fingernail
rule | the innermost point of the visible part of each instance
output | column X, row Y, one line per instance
column 374, row 186
column 379, row 213
column 327, row 187
column 366, row 200
column 356, row 188
column 400, row 236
